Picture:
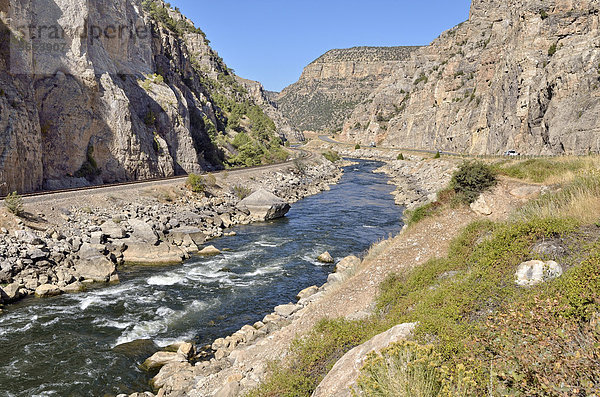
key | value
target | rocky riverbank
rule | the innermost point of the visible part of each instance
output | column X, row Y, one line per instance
column 239, row 362
column 69, row 244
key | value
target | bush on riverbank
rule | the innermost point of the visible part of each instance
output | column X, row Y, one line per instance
column 332, row 156
column 14, row 204
column 195, row 183
column 472, row 179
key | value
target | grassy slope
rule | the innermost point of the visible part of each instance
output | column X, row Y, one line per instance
column 503, row 340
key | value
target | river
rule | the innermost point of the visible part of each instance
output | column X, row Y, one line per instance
column 71, row 345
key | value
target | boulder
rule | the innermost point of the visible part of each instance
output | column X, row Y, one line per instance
column 481, row 207
column 344, row 374
column 47, row 290
column 160, row 359
column 186, row 235
column 264, row 205
column 348, row 263
column 306, row 292
column 536, row 272
column 112, row 230
column 186, row 350
column 93, row 265
column 145, row 254
column 231, row 389
column 143, row 232
column 325, row 257
column 286, row 310
column 209, row 251
column 11, row 292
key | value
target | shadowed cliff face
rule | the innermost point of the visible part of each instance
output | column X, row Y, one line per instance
column 518, row 75
column 106, row 91
column 331, row 86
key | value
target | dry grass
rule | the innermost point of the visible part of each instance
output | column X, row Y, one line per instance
column 552, row 171
column 578, row 199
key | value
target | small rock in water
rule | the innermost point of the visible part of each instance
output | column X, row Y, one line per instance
column 325, row 257
column 47, row 290
column 209, row 251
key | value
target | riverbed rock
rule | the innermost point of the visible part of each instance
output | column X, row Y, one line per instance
column 286, row 310
column 536, row 272
column 264, row 205
column 211, row 250
column 306, row 292
column 186, row 350
column 230, row 389
column 146, row 254
column 113, row 230
column 186, row 235
column 342, row 377
column 93, row 265
column 11, row 292
column 47, row 290
column 142, row 232
column 160, row 359
column 325, row 257
column 349, row 263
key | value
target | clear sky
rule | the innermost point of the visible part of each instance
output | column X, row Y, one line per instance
column 272, row 40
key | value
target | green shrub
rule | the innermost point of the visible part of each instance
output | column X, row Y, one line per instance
column 437, row 155
column 300, row 166
column 332, row 156
column 406, row 369
column 543, row 14
column 357, row 146
column 400, row 156
column 552, row 50
column 14, row 204
column 195, row 183
column 471, row 179
column 89, row 169
column 241, row 192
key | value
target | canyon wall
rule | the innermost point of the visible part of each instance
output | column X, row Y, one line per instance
column 522, row 75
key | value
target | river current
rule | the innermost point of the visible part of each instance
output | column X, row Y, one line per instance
column 80, row 344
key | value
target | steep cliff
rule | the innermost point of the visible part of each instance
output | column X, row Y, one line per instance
column 267, row 101
column 522, row 74
column 107, row 91
column 332, row 85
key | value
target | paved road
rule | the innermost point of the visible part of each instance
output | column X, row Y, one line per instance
column 81, row 193
column 327, row 139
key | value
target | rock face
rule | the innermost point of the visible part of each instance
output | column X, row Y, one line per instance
column 332, row 85
column 271, row 109
column 147, row 102
column 519, row 74
column 264, row 205
column 344, row 374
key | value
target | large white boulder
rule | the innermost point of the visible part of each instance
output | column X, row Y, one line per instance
column 536, row 272
column 264, row 205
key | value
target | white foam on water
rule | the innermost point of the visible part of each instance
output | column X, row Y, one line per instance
column 88, row 301
column 369, row 227
column 51, row 322
column 112, row 323
column 165, row 280
column 263, row 271
column 164, row 317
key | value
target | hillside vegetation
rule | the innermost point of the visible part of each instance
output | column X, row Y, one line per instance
column 479, row 333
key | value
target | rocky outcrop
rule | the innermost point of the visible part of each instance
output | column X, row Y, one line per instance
column 266, row 101
column 519, row 74
column 340, row 381
column 264, row 205
column 131, row 90
column 335, row 83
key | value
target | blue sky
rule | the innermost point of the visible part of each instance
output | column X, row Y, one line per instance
column 272, row 40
